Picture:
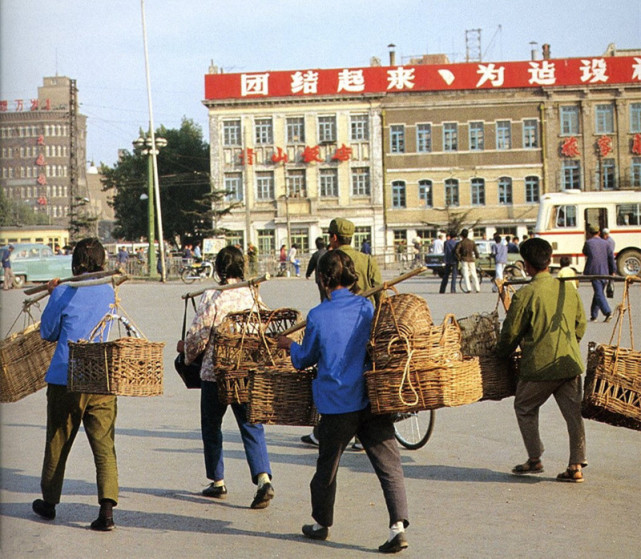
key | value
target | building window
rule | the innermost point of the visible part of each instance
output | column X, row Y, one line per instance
column 296, row 130
column 635, row 171
column 532, row 190
column 477, row 136
column 359, row 128
column 231, row 133
column 296, row 183
column 266, row 241
column 397, row 138
column 450, row 136
column 361, row 234
column 264, row 185
column 328, row 183
column 530, row 133
column 234, row 238
column 400, row 239
column 505, row 190
column 424, row 138
column 635, row 117
column 608, row 174
column 451, row 192
column 326, row 129
column 300, row 237
column 571, row 174
column 569, row 117
column 264, row 131
column 503, row 134
column 478, row 192
column 425, row 192
column 398, row 194
column 604, row 119
column 360, row 181
column 234, row 187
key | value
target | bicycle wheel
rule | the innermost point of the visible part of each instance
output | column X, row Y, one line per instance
column 461, row 281
column 187, row 276
column 413, row 430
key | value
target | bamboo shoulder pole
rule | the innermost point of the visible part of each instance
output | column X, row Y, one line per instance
column 74, row 279
column 248, row 283
column 367, row 293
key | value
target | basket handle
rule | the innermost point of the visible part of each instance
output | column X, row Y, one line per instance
column 406, row 378
column 622, row 308
column 448, row 319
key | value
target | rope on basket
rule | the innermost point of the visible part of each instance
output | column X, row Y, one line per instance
column 622, row 308
column 255, row 309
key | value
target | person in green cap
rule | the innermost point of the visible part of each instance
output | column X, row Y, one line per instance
column 341, row 231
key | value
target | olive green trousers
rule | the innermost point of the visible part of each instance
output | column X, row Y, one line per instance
column 65, row 412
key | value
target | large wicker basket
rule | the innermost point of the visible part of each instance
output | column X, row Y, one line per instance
column 24, row 360
column 127, row 366
column 479, row 336
column 282, row 396
column 612, row 392
column 435, row 385
column 247, row 340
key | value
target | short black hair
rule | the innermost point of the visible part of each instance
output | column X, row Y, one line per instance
column 464, row 233
column 88, row 256
column 565, row 261
column 230, row 263
column 337, row 268
column 320, row 243
column 537, row 252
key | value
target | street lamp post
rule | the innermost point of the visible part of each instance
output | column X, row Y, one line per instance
column 145, row 144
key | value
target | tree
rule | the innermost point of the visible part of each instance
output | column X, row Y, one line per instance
column 186, row 194
column 14, row 213
column 455, row 220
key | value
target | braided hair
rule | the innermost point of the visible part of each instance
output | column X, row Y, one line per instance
column 230, row 263
column 337, row 268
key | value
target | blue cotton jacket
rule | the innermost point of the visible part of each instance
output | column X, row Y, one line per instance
column 70, row 315
column 335, row 339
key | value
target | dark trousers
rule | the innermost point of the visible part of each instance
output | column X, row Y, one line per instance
column 599, row 301
column 65, row 412
column 376, row 433
column 252, row 435
column 449, row 269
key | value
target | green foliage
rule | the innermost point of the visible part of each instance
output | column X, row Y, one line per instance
column 13, row 213
column 187, row 200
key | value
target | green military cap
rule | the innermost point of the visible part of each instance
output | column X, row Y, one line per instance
column 594, row 229
column 342, row 227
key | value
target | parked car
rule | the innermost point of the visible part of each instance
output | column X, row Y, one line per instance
column 33, row 262
column 485, row 263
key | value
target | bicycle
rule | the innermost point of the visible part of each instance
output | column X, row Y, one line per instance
column 413, row 430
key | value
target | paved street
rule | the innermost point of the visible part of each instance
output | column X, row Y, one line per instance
column 463, row 502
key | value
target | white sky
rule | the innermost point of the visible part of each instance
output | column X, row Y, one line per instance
column 99, row 43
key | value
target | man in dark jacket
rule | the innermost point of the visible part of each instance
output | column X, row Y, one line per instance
column 599, row 262
column 451, row 264
column 312, row 267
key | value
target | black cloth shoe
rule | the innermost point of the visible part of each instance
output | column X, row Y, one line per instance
column 307, row 439
column 320, row 534
column 264, row 494
column 399, row 543
column 44, row 509
column 103, row 524
column 217, row 492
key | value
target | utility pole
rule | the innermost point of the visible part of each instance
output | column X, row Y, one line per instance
column 73, row 162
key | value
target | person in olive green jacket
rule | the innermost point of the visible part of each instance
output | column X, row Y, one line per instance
column 547, row 320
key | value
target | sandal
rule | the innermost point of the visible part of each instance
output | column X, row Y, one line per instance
column 571, row 476
column 532, row 466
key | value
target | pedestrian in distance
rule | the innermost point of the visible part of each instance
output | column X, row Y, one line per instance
column 252, row 259
column 467, row 254
column 499, row 254
column 213, row 307
column 312, row 266
column 566, row 271
column 335, row 340
column 70, row 315
column 366, row 248
column 599, row 261
column 450, row 261
column 7, row 282
column 438, row 245
column 295, row 262
column 546, row 319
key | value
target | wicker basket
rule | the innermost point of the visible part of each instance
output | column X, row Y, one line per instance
column 24, row 360
column 436, row 385
column 612, row 392
column 435, row 344
column 282, row 396
column 127, row 366
column 247, row 340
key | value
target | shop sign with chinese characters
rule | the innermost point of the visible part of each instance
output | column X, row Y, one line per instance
column 429, row 77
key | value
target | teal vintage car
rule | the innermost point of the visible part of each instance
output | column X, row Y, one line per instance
column 34, row 262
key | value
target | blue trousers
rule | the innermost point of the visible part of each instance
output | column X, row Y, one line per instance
column 211, row 420
column 599, row 301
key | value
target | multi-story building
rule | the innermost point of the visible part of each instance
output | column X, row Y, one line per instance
column 405, row 150
column 39, row 148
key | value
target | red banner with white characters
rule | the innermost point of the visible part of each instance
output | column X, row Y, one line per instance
column 432, row 77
